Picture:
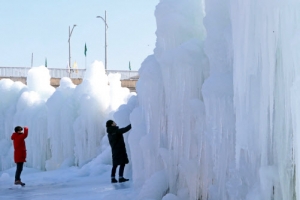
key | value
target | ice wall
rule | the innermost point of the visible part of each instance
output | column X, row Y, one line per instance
column 218, row 102
column 168, row 125
column 266, row 62
column 67, row 124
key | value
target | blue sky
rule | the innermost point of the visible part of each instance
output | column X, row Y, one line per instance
column 41, row 27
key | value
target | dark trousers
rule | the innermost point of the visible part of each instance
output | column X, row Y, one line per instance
column 19, row 171
column 114, row 169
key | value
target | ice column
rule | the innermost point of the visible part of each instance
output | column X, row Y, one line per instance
column 31, row 111
column 61, row 116
column 170, row 99
column 92, row 101
column 218, row 179
column 266, row 42
column 10, row 92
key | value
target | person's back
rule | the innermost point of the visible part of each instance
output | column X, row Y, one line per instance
column 19, row 141
column 119, row 155
column 18, row 138
column 116, row 139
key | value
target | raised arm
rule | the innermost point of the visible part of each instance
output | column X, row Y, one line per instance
column 124, row 130
column 25, row 132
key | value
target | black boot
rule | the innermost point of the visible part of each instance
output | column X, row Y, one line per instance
column 123, row 179
column 113, row 180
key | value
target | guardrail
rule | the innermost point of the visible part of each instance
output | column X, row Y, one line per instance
column 60, row 73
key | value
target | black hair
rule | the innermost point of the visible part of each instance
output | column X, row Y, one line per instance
column 109, row 123
column 18, row 128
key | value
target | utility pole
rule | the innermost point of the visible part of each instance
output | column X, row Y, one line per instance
column 32, row 59
column 105, row 33
column 70, row 34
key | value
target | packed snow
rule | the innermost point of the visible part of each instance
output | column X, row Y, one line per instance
column 215, row 115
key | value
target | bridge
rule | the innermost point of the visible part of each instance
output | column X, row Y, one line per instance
column 128, row 78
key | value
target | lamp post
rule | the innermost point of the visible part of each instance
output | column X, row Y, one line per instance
column 70, row 33
column 106, row 27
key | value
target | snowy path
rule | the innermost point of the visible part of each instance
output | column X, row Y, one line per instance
column 63, row 184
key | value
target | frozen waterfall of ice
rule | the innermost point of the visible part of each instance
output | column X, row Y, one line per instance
column 218, row 109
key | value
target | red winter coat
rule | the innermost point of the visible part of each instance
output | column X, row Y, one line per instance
column 19, row 145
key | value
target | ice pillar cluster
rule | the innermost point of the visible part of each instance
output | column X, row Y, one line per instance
column 219, row 115
column 67, row 124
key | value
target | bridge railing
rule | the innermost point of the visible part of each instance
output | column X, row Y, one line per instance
column 59, row 73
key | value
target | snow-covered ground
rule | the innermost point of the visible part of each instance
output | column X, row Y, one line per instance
column 65, row 183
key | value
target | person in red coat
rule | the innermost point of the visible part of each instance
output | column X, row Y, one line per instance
column 18, row 138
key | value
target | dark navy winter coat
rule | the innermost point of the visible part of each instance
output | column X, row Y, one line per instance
column 116, row 141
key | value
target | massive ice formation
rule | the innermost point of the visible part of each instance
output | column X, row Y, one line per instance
column 218, row 101
column 217, row 111
column 66, row 125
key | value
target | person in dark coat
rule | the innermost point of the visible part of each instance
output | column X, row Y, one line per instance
column 119, row 155
column 18, row 138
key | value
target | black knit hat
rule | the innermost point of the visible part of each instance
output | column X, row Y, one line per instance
column 18, row 128
column 109, row 123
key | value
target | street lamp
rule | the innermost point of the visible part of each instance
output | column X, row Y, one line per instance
column 70, row 33
column 106, row 27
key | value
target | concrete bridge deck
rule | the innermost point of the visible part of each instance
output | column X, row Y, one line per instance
column 130, row 84
column 128, row 78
